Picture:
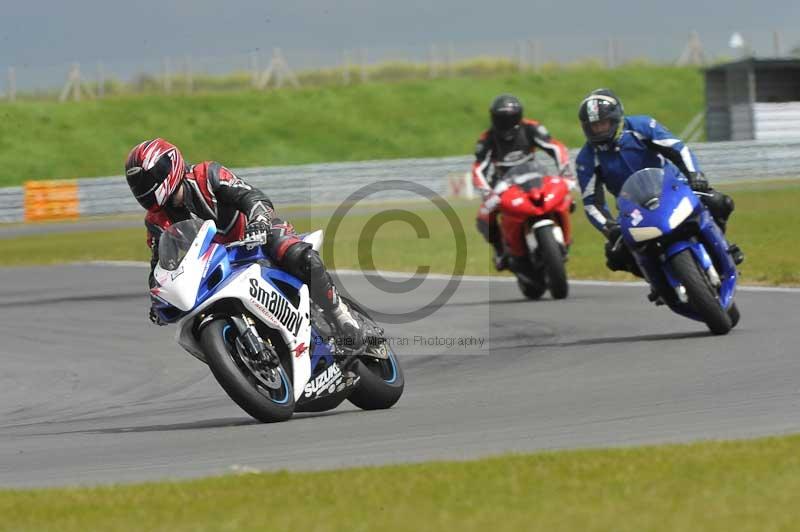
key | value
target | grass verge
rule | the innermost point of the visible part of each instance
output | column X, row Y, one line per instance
column 710, row 486
column 49, row 140
column 764, row 225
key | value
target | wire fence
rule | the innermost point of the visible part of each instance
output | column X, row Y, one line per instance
column 276, row 67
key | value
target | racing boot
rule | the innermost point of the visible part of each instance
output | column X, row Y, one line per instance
column 487, row 226
column 500, row 257
column 736, row 254
column 351, row 334
column 500, row 261
column 654, row 297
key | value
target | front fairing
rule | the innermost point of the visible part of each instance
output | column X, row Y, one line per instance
column 182, row 284
column 264, row 292
column 534, row 198
column 669, row 210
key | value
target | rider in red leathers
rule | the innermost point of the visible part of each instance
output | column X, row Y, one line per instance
column 173, row 191
column 510, row 140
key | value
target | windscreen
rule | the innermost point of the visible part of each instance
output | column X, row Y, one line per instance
column 643, row 186
column 175, row 242
column 530, row 172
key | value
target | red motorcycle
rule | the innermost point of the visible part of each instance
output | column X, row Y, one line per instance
column 535, row 209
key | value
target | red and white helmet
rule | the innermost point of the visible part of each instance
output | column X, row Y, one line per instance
column 154, row 169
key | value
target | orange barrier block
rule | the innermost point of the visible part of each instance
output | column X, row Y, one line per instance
column 51, row 200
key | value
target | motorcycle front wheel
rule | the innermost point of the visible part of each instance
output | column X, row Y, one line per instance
column 265, row 394
column 552, row 258
column 702, row 295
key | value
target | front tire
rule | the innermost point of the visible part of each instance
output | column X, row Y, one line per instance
column 702, row 295
column 239, row 382
column 733, row 313
column 552, row 257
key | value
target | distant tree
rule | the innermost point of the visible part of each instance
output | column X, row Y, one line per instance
column 795, row 52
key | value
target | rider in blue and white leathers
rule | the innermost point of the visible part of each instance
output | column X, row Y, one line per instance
column 618, row 146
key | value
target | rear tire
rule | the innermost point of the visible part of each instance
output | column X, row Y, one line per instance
column 533, row 291
column 702, row 295
column 381, row 383
column 552, row 257
column 238, row 381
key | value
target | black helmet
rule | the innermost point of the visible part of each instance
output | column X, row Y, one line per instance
column 506, row 114
column 600, row 105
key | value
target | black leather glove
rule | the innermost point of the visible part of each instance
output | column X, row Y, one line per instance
column 613, row 232
column 155, row 318
column 698, row 182
column 257, row 231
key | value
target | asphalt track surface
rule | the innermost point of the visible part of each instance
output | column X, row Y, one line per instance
column 91, row 393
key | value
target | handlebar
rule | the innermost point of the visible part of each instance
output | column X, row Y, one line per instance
column 252, row 242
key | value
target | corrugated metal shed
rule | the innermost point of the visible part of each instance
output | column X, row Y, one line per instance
column 748, row 100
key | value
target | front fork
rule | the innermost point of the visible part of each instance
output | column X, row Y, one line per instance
column 250, row 344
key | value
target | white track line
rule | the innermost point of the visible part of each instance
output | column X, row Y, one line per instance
column 468, row 278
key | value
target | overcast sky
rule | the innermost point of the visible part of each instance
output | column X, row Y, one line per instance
column 37, row 35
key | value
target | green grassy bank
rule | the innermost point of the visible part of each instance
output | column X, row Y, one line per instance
column 47, row 140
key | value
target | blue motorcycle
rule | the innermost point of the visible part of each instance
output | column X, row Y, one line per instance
column 678, row 247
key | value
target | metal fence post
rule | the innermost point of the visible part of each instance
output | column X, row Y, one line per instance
column 534, row 50
column 167, row 80
column 610, row 59
column 363, row 61
column 101, row 81
column 451, row 60
column 254, row 70
column 346, row 67
column 189, row 75
column 12, row 84
column 73, row 84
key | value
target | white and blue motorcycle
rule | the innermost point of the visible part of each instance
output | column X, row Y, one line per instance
column 267, row 344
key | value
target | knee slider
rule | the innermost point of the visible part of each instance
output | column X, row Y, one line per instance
column 729, row 205
column 720, row 205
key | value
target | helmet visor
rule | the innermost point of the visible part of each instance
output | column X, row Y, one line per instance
column 505, row 122
column 601, row 128
column 149, row 186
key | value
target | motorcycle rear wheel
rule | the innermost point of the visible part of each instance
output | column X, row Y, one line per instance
column 533, row 291
column 381, row 381
column 380, row 385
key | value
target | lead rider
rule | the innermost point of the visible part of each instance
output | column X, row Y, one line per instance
column 172, row 191
column 618, row 146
